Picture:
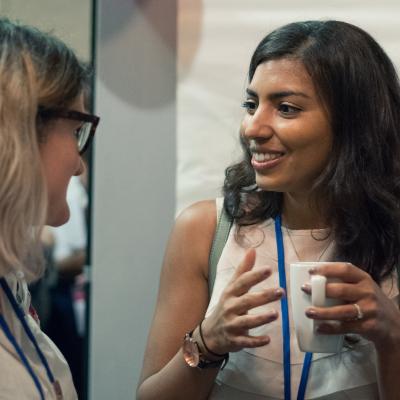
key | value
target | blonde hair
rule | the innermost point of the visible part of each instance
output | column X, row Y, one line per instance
column 36, row 69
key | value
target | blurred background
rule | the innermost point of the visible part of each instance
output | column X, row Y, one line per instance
column 169, row 80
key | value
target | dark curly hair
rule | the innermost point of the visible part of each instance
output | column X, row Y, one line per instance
column 360, row 186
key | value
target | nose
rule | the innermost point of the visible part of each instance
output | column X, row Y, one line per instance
column 81, row 167
column 258, row 126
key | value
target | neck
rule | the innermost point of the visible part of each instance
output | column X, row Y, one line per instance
column 300, row 212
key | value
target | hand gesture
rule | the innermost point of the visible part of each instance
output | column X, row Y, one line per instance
column 227, row 328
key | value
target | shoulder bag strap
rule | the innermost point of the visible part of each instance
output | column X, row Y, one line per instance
column 222, row 230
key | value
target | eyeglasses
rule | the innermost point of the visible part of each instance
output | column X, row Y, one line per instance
column 84, row 134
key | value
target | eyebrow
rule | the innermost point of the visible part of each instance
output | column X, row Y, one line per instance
column 278, row 95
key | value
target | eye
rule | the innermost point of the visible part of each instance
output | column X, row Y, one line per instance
column 250, row 106
column 288, row 110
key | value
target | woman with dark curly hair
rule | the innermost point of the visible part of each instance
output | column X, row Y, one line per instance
column 321, row 173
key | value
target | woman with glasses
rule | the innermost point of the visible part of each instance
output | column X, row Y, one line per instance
column 319, row 180
column 44, row 130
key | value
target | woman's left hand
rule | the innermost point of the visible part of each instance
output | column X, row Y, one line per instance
column 366, row 310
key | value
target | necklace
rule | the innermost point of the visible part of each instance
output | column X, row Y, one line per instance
column 295, row 250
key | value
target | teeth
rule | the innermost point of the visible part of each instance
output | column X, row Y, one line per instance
column 266, row 156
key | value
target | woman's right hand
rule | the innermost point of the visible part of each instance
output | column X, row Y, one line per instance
column 227, row 328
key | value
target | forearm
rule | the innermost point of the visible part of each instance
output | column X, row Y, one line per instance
column 388, row 361
column 176, row 380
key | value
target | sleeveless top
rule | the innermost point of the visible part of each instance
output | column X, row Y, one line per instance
column 15, row 381
column 257, row 374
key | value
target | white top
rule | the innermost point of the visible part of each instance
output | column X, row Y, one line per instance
column 15, row 381
column 255, row 374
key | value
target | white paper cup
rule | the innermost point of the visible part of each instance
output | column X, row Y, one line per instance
column 308, row 339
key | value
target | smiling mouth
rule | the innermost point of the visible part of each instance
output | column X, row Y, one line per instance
column 265, row 162
column 262, row 157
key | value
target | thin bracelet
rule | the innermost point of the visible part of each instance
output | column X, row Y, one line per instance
column 225, row 355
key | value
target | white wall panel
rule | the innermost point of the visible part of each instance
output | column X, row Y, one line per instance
column 134, row 185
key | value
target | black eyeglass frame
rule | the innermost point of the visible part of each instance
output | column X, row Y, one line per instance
column 50, row 113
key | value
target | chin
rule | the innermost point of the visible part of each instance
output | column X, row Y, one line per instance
column 272, row 185
column 268, row 187
column 58, row 219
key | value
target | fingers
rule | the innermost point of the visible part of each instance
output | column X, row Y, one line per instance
column 347, row 312
column 245, row 276
column 247, row 263
column 237, row 332
column 247, row 280
column 251, row 341
column 346, row 272
column 340, row 328
column 248, row 301
column 342, row 320
column 343, row 291
column 247, row 322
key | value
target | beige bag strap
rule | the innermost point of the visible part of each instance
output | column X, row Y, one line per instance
column 224, row 224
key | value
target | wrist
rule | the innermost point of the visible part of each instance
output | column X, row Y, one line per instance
column 205, row 354
column 390, row 347
column 193, row 355
column 390, row 344
column 209, row 338
column 204, row 348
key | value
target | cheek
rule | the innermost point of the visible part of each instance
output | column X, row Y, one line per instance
column 315, row 136
column 316, row 154
column 323, row 144
column 57, row 184
column 58, row 167
column 60, row 158
column 310, row 147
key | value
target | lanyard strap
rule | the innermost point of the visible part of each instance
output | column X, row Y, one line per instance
column 284, row 309
column 20, row 314
column 285, row 323
column 21, row 354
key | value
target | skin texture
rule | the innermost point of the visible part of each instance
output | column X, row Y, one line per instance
column 295, row 124
column 285, row 114
column 60, row 161
column 298, row 127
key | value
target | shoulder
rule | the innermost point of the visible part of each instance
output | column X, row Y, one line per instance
column 201, row 215
column 193, row 233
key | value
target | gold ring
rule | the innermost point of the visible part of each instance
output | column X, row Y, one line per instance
column 360, row 314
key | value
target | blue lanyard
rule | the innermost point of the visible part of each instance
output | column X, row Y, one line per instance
column 20, row 314
column 285, row 324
